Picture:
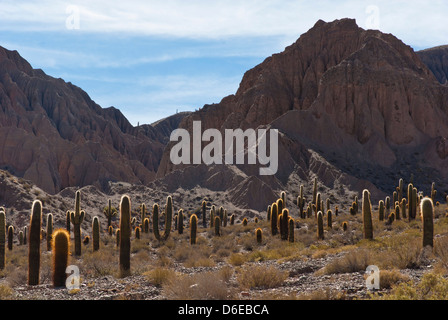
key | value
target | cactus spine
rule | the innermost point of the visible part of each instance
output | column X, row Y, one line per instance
column 49, row 230
column 60, row 249
column 367, row 215
column 96, row 233
column 125, row 236
column 427, row 209
column 193, row 228
column 34, row 243
column 77, row 218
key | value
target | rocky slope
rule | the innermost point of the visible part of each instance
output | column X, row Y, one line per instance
column 53, row 134
column 437, row 61
column 361, row 99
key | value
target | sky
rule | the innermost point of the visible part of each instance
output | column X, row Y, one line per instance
column 153, row 58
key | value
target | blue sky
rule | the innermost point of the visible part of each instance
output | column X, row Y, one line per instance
column 153, row 58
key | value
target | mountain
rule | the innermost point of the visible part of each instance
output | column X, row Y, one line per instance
column 353, row 106
column 437, row 61
column 54, row 135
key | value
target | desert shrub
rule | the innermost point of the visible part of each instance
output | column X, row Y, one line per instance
column 200, row 286
column 389, row 278
column 261, row 277
column 160, row 276
column 431, row 287
column 353, row 261
column 237, row 259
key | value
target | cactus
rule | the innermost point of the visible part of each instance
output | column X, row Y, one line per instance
column 403, row 208
column 283, row 197
column 315, row 190
column 125, row 236
column 433, row 192
column 217, row 225
column 34, row 243
column 2, row 239
column 168, row 219
column 96, row 233
column 274, row 217
column 301, row 203
column 110, row 230
column 268, row 216
column 244, row 222
column 142, row 213
column 109, row 212
column 345, row 226
column 137, row 232
column 232, row 219
column 397, row 211
column 329, row 219
column 367, row 215
column 391, row 218
column 117, row 237
column 180, row 222
column 225, row 218
column 412, row 203
column 77, row 218
column 193, row 228
column 259, row 235
column 320, row 226
column 381, row 210
column 284, row 224
column 67, row 221
column 427, row 209
column 146, row 225
column 25, row 235
column 400, row 190
column 291, row 230
column 49, row 230
column 86, row 240
column 20, row 237
column 280, row 206
column 204, row 214
column 319, row 203
column 10, row 237
column 60, row 253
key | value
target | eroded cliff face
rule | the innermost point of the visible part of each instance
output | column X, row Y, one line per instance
column 359, row 97
column 53, row 134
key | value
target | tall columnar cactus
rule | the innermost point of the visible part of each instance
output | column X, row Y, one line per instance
column 319, row 202
column 225, row 218
column 109, row 212
column 400, row 190
column 291, row 230
column 204, row 214
column 193, row 228
column 60, row 253
column 34, row 243
column 387, row 206
column 142, row 213
column 168, row 219
column 329, row 219
column 180, row 221
column 284, row 224
column 268, row 216
column 320, row 226
column 412, row 203
column 283, row 197
column 221, row 215
column 20, row 237
column 10, row 237
column 212, row 216
column 67, row 221
column 280, row 206
column 381, row 210
column 367, row 215
column 49, row 230
column 77, row 217
column 146, row 225
column 125, row 236
column 259, row 235
column 433, row 192
column 96, row 233
column 274, row 216
column 315, row 190
column 427, row 209
column 403, row 208
column 217, row 225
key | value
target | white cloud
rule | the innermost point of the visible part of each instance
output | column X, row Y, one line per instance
column 413, row 20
